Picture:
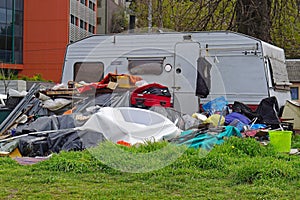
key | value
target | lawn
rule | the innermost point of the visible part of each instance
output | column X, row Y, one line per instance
column 237, row 169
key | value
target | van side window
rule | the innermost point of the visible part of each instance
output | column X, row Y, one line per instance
column 145, row 66
column 88, row 71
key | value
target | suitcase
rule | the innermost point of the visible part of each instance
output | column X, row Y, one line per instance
column 150, row 95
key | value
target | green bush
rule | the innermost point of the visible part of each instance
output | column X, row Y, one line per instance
column 36, row 77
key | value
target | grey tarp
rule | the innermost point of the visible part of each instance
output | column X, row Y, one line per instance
column 115, row 99
column 62, row 140
column 74, row 140
column 173, row 115
column 46, row 124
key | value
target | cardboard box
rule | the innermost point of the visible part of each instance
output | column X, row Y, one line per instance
column 112, row 85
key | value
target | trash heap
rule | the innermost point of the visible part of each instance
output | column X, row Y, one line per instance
column 219, row 120
column 125, row 110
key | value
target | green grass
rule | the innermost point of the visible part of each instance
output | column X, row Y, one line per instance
column 237, row 169
column 296, row 141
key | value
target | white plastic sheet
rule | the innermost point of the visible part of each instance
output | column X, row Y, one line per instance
column 56, row 104
column 131, row 125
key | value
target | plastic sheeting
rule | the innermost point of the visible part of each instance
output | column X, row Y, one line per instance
column 61, row 140
column 204, row 139
column 47, row 124
column 176, row 117
column 131, row 125
column 116, row 99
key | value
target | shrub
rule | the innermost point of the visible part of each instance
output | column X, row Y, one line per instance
column 36, row 77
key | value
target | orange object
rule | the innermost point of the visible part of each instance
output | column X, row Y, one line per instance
column 122, row 142
column 15, row 153
column 69, row 112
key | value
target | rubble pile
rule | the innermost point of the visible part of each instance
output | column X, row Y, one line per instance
column 125, row 110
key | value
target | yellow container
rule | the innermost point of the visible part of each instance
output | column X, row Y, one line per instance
column 123, row 81
column 281, row 140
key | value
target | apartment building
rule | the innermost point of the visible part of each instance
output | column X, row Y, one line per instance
column 35, row 33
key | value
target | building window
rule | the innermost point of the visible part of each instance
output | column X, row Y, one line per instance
column 19, row 5
column 82, row 1
column 2, row 15
column 88, row 71
column 91, row 28
column 145, row 66
column 11, row 36
column 92, row 6
column 295, row 93
column 99, row 3
column 72, row 19
column 99, row 20
column 81, row 24
column 2, row 4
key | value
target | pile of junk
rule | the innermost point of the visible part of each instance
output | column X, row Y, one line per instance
column 128, row 111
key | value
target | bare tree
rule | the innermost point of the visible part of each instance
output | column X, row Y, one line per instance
column 6, row 75
column 274, row 21
column 253, row 18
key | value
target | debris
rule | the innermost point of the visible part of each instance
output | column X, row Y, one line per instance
column 294, row 152
column 125, row 110
column 151, row 95
column 215, row 105
column 30, row 160
column 205, row 138
column 291, row 114
column 281, row 140
column 132, row 125
column 216, row 120
column 19, row 109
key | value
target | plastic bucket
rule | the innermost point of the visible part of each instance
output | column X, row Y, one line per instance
column 281, row 140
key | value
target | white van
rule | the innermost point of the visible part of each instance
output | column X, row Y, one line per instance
column 197, row 66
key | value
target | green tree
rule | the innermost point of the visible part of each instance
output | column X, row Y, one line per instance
column 119, row 21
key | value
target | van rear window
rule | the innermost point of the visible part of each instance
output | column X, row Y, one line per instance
column 145, row 66
column 88, row 71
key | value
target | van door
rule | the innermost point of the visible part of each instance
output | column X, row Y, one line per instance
column 185, row 76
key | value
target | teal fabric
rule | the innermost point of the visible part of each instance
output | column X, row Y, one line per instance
column 207, row 140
